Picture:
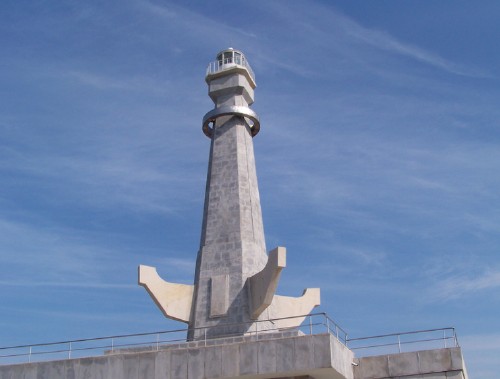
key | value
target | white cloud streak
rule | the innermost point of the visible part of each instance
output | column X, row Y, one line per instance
column 334, row 31
column 104, row 82
column 465, row 284
column 385, row 41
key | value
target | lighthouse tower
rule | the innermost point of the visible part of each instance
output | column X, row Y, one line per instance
column 235, row 279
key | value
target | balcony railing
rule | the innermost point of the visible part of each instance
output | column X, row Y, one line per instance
column 404, row 342
column 227, row 63
column 314, row 324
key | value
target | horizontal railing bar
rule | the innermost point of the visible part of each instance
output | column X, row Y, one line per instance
column 152, row 340
column 161, row 332
column 400, row 334
column 399, row 343
column 93, row 339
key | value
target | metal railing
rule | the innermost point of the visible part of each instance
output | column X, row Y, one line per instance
column 404, row 342
column 313, row 324
column 318, row 323
column 223, row 64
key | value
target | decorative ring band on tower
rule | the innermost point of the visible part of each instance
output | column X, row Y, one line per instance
column 229, row 110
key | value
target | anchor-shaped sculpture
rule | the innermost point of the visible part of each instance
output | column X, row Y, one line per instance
column 176, row 300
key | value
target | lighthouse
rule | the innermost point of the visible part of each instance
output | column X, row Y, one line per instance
column 235, row 278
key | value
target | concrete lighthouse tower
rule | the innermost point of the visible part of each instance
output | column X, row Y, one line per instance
column 235, row 279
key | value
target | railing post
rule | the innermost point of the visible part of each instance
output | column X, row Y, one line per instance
column 399, row 343
column 112, row 344
column 205, row 333
column 157, row 341
column 29, row 356
column 327, row 324
column 444, row 337
column 310, row 325
column 69, row 351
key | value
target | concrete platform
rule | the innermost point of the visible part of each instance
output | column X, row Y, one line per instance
column 318, row 356
column 428, row 364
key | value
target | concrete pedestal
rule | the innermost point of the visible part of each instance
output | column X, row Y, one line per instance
column 317, row 356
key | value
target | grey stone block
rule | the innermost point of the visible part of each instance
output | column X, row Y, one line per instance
column 100, row 367
column 196, row 364
column 230, row 361
column 147, row 365
column 8, row 372
column 403, row 364
column 162, row 365
column 130, row 366
column 213, row 362
column 21, row 372
column 457, row 360
column 42, row 370
column 372, row 367
column 267, row 357
column 304, row 353
column 285, row 355
column 83, row 369
column 437, row 360
column 179, row 364
column 248, row 353
column 114, row 366
column 54, row 369
column 322, row 351
column 341, row 358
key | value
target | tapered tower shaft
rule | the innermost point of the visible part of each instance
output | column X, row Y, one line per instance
column 232, row 246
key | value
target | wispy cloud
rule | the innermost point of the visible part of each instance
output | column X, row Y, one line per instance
column 384, row 41
column 44, row 253
column 464, row 284
column 182, row 265
column 190, row 20
column 105, row 82
column 39, row 255
column 67, row 284
column 111, row 175
column 481, row 342
column 481, row 352
column 336, row 32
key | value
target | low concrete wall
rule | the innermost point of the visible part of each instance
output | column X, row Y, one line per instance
column 322, row 356
column 428, row 364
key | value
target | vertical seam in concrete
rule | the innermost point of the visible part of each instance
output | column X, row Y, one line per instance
column 418, row 362
column 249, row 184
column 258, row 353
column 221, row 361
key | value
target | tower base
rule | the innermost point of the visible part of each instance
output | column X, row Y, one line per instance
column 280, row 355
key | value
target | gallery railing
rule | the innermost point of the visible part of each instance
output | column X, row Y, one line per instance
column 227, row 63
column 313, row 324
column 404, row 342
column 317, row 323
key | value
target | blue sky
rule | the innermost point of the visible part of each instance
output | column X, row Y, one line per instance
column 378, row 160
